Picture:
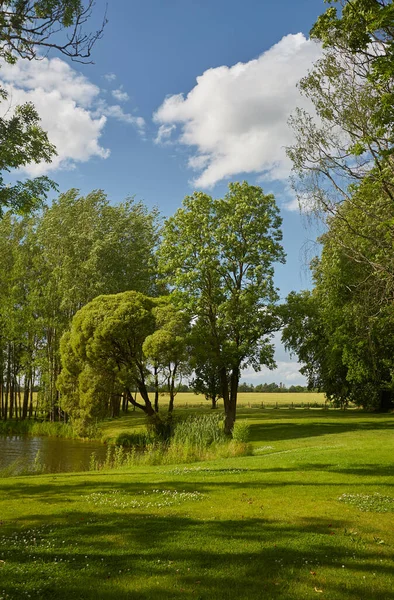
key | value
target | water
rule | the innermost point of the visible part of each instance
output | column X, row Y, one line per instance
column 56, row 454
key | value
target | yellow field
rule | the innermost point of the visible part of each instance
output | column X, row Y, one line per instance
column 270, row 400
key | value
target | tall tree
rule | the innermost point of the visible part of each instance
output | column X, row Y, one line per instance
column 343, row 331
column 28, row 28
column 218, row 257
column 88, row 247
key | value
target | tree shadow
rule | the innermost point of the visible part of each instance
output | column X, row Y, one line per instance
column 147, row 556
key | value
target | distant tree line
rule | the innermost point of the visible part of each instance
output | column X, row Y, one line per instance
column 273, row 388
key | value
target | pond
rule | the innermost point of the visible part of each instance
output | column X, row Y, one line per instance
column 56, row 454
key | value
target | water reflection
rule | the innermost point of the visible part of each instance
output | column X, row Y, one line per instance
column 56, row 454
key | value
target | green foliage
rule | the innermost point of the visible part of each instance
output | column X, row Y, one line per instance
column 22, row 142
column 218, row 256
column 241, row 431
column 134, row 440
column 25, row 28
column 102, row 356
column 343, row 330
column 199, row 431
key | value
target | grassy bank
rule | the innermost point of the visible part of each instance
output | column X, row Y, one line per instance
column 30, row 427
column 309, row 515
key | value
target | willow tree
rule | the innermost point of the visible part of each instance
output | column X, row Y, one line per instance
column 218, row 256
column 102, row 355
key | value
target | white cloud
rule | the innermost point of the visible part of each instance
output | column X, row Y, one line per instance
column 286, row 371
column 110, row 77
column 120, row 95
column 235, row 118
column 69, row 106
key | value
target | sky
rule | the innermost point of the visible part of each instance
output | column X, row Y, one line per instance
column 183, row 95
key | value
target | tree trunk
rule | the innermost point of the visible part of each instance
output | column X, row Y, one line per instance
column 26, row 395
column 171, row 386
column 156, row 371
column 231, row 408
column 147, row 406
column 214, row 402
column 386, row 401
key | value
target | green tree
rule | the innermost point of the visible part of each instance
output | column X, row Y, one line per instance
column 26, row 28
column 218, row 256
column 167, row 348
column 88, row 247
column 102, row 355
column 343, row 330
column 22, row 142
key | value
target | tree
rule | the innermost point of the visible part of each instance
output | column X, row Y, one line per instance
column 102, row 355
column 28, row 27
column 364, row 28
column 343, row 330
column 204, row 364
column 22, row 141
column 88, row 248
column 218, row 257
column 166, row 348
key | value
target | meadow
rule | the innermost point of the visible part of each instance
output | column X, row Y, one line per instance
column 309, row 514
column 255, row 399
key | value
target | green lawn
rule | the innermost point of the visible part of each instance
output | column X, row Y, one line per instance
column 266, row 526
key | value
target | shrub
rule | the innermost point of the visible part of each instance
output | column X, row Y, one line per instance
column 241, row 431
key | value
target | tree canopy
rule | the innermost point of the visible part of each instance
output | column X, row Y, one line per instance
column 217, row 256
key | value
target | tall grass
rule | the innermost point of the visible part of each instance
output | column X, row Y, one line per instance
column 193, row 439
column 18, row 467
column 44, row 428
column 199, row 431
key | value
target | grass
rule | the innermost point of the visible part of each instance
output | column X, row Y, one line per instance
column 274, row 525
column 30, row 427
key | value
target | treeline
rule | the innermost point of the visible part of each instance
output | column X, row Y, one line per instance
column 99, row 305
column 52, row 262
column 273, row 388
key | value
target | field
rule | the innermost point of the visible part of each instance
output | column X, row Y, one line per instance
column 254, row 399
column 309, row 515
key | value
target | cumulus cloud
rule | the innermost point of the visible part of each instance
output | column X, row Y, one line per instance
column 69, row 106
column 235, row 118
column 287, row 368
column 120, row 95
column 286, row 372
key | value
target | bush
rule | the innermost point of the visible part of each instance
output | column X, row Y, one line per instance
column 241, row 431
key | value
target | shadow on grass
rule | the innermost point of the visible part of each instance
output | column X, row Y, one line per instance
column 148, row 556
column 290, row 426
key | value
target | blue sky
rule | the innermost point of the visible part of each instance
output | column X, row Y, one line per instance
column 139, row 122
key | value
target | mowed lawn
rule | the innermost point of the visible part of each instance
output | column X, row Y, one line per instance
column 273, row 525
